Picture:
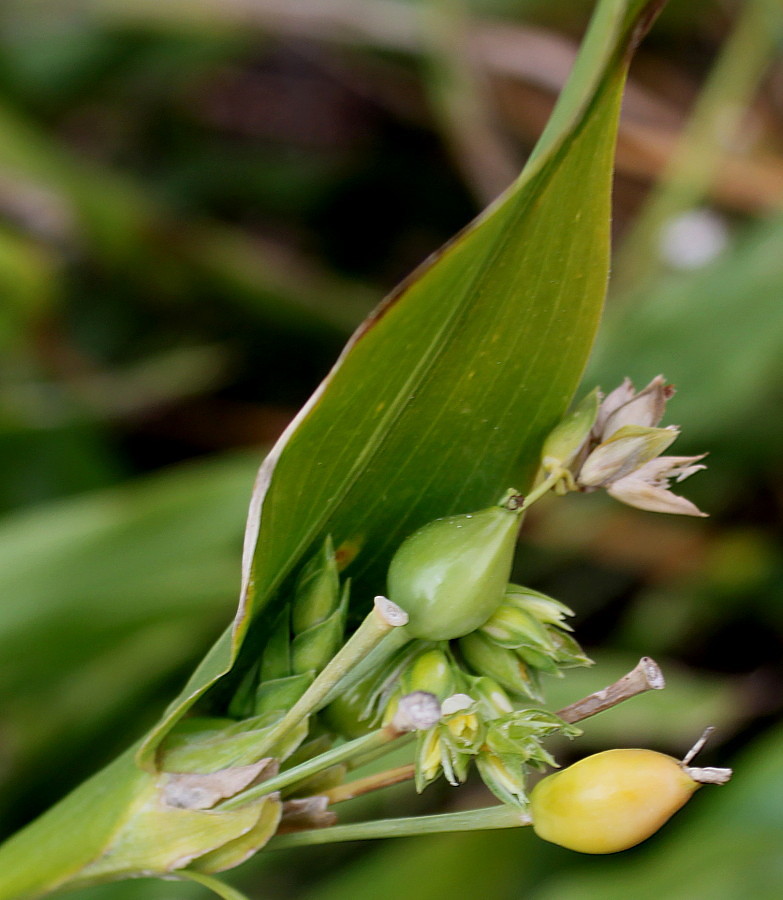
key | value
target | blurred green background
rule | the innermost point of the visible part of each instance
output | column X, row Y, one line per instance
column 198, row 200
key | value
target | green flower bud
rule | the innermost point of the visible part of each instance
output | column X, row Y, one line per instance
column 311, row 650
column 491, row 698
column 486, row 658
column 351, row 713
column 512, row 627
column 276, row 661
column 317, row 590
column 450, row 575
column 546, row 609
column 538, row 659
column 571, row 434
column 520, row 733
column 281, row 693
column 567, row 652
column 431, row 672
column 504, row 775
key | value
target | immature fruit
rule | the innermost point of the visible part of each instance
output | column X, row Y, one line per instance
column 430, row 671
column 610, row 801
column 450, row 575
column 350, row 713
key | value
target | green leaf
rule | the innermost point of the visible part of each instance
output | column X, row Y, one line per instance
column 124, row 822
column 443, row 397
column 69, row 836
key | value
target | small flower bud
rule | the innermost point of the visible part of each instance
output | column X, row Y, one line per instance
column 504, row 775
column 430, row 671
column 539, row 660
column 276, row 661
column 567, row 652
column 625, row 407
column 493, row 701
column 457, row 703
column 352, row 712
column 317, row 590
column 546, row 609
column 504, row 666
column 311, row 650
column 564, row 443
column 513, row 627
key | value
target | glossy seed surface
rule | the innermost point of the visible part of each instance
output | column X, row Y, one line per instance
column 609, row 801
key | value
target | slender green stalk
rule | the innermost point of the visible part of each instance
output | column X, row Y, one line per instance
column 385, row 648
column 538, row 492
column 490, row 817
column 364, row 759
column 383, row 618
column 345, row 752
column 226, row 891
column 352, row 789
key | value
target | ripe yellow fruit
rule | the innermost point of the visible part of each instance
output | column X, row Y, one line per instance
column 610, row 801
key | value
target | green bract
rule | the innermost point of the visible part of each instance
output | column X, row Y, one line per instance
column 450, row 575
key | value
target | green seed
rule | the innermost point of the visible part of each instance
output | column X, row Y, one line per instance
column 450, row 575
column 431, row 672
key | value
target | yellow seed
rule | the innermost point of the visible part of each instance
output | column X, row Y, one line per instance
column 610, row 801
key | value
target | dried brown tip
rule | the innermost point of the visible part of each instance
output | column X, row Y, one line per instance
column 645, row 676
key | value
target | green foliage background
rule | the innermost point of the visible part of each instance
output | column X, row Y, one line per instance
column 196, row 207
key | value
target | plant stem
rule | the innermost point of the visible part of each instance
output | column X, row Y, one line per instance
column 491, row 817
column 226, row 891
column 310, row 767
column 546, row 485
column 645, row 676
column 370, row 783
column 385, row 648
column 380, row 621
